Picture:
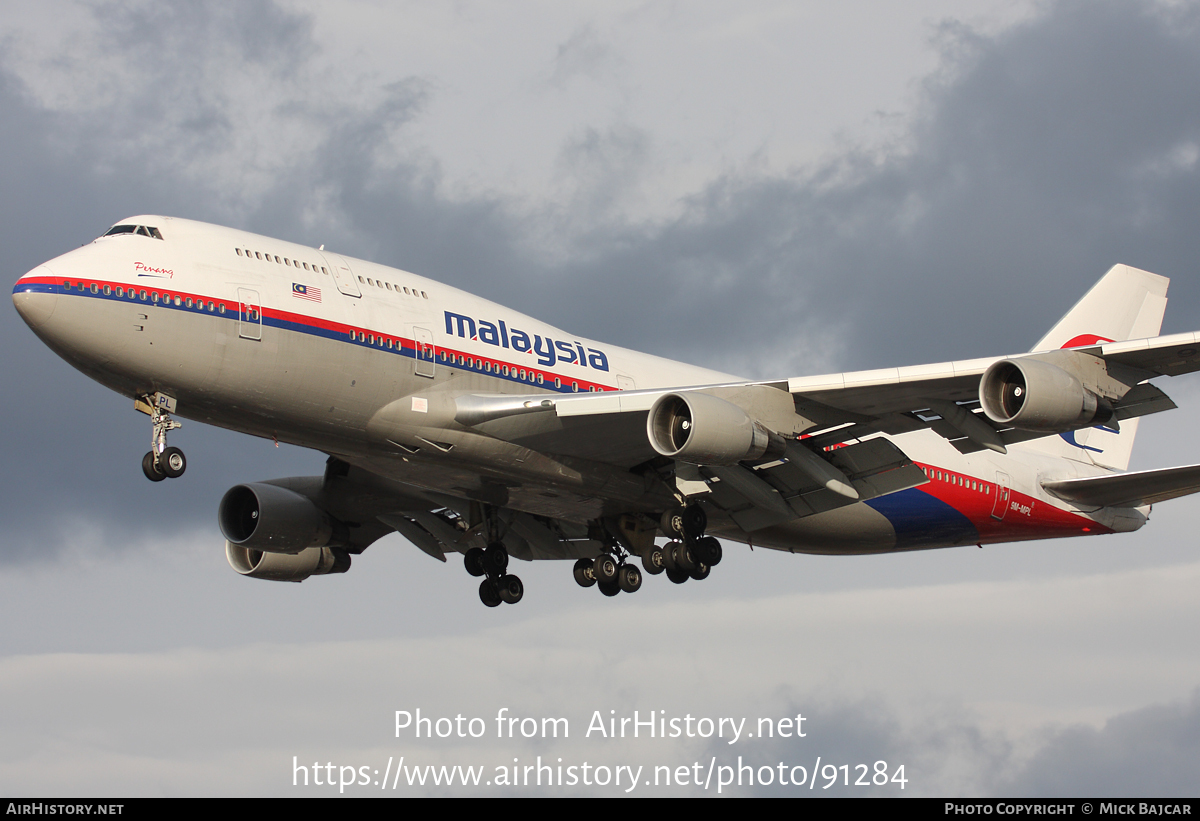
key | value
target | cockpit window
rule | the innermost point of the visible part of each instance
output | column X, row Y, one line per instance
column 141, row 230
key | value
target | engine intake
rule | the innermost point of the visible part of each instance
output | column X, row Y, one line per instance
column 704, row 430
column 282, row 567
column 1032, row 395
column 272, row 519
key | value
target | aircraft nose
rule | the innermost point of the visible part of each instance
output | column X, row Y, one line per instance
column 34, row 297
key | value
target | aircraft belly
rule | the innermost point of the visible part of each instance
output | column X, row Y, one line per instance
column 910, row 519
column 845, row 530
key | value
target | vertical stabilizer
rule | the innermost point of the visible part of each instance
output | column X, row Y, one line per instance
column 1127, row 303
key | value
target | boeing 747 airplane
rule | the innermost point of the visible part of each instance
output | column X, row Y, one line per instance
column 470, row 428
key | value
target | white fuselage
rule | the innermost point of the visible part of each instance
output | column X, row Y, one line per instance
column 363, row 362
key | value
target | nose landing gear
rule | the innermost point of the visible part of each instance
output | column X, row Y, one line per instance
column 161, row 462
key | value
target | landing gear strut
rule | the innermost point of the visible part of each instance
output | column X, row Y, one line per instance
column 162, row 462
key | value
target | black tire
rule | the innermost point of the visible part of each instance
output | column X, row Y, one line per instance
column 677, row 576
column 695, row 520
column 584, row 576
column 473, row 561
column 668, row 552
column 652, row 561
column 605, row 568
column 708, row 551
column 701, row 572
column 511, row 589
column 495, row 559
column 488, row 594
column 685, row 560
column 629, row 579
column 671, row 523
column 172, row 462
column 609, row 589
column 150, row 469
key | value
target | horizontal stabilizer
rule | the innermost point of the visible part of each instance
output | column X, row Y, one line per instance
column 1144, row 487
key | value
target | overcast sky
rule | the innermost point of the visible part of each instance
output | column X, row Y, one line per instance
column 772, row 189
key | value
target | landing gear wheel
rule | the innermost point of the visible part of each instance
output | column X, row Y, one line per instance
column 474, row 562
column 495, row 559
column 150, row 469
column 172, row 462
column 510, row 589
column 685, row 560
column 677, row 576
column 609, row 588
column 668, row 553
column 652, row 561
column 708, row 551
column 629, row 579
column 671, row 523
column 584, row 575
column 701, row 572
column 605, row 568
column 488, row 594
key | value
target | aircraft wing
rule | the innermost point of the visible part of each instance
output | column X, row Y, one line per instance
column 835, row 408
column 829, row 453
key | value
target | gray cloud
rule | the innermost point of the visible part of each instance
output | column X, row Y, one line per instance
column 965, row 690
column 583, row 54
column 1154, row 751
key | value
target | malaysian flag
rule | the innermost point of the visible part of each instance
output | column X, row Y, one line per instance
column 308, row 292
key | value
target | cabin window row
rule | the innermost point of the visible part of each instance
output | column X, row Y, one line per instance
column 291, row 263
column 378, row 283
column 373, row 339
column 149, row 296
column 531, row 376
column 484, row 365
column 955, row 479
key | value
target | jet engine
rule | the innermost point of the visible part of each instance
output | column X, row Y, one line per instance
column 283, row 567
column 272, row 519
column 705, row 430
column 1029, row 394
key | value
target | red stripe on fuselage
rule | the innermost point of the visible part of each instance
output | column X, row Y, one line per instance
column 81, row 287
column 1022, row 517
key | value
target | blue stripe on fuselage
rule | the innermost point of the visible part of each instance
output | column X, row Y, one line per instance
column 920, row 520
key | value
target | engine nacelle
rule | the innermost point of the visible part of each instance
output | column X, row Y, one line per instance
column 1032, row 395
column 283, row 567
column 272, row 519
column 704, row 430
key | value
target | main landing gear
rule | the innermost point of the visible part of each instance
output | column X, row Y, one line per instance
column 690, row 556
column 611, row 574
column 499, row 586
column 162, row 462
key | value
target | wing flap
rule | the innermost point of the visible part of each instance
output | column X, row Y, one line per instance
column 781, row 491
